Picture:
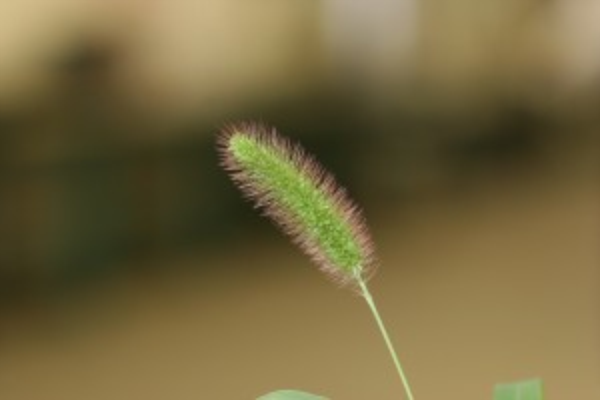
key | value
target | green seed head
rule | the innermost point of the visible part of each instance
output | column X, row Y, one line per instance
column 300, row 197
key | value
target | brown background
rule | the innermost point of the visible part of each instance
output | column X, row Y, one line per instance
column 131, row 269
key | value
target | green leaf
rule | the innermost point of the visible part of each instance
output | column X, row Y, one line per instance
column 290, row 395
column 524, row 390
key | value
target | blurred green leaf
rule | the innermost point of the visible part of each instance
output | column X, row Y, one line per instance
column 290, row 395
column 524, row 390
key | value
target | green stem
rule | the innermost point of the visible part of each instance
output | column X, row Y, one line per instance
column 369, row 299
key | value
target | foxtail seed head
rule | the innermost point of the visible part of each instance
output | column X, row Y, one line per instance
column 301, row 197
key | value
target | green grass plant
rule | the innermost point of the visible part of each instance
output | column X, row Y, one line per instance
column 289, row 186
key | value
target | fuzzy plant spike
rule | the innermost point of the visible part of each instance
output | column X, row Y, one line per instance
column 301, row 197
column 304, row 200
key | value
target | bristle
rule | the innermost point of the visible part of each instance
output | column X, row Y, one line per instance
column 301, row 197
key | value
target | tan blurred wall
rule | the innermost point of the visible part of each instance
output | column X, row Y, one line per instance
column 174, row 58
column 182, row 58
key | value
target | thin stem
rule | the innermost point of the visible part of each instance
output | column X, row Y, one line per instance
column 369, row 299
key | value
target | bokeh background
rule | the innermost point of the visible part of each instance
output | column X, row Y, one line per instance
column 130, row 268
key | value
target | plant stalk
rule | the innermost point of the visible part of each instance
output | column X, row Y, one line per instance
column 371, row 303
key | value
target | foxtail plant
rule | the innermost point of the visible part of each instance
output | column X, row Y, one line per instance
column 304, row 200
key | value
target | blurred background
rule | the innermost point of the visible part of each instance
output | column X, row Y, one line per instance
column 130, row 268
